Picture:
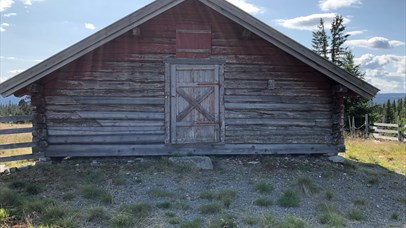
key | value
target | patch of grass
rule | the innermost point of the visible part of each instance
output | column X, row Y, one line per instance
column 210, row 208
column 263, row 202
column 329, row 216
column 156, row 192
column 97, row 214
column 289, row 198
column 68, row 196
column 17, row 184
column 3, row 215
column 139, row 210
column 94, row 192
column 250, row 220
column 226, row 221
column 119, row 179
column 360, row 202
column 182, row 206
column 263, row 187
column 163, row 205
column 402, row 200
column 269, row 220
column 33, row 188
column 373, row 181
column 53, row 215
column 225, row 196
column 94, row 176
column 36, row 206
column 389, row 155
column 196, row 223
column 327, row 174
column 170, row 214
column 356, row 215
column 174, row 221
column 10, row 198
column 307, row 185
column 329, row 195
column 393, row 216
column 290, row 221
column 121, row 220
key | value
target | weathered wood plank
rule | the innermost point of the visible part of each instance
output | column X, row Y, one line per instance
column 16, row 145
column 102, row 92
column 57, row 100
column 106, row 139
column 6, row 119
column 279, row 92
column 15, row 131
column 378, row 136
column 278, row 99
column 277, row 139
column 78, row 150
column 385, row 125
column 66, row 109
column 133, row 123
column 278, row 107
column 386, row 131
column 281, row 122
column 234, row 130
column 21, row 157
column 244, row 114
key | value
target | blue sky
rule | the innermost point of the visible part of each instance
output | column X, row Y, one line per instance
column 33, row 30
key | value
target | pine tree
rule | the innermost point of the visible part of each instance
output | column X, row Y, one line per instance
column 389, row 114
column 320, row 40
column 338, row 38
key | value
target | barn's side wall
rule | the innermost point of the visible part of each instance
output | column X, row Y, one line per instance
column 111, row 101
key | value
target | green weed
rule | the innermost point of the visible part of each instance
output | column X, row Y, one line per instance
column 356, row 215
column 263, row 187
column 156, row 192
column 94, row 192
column 250, row 220
column 121, row 220
column 263, row 202
column 97, row 214
column 226, row 221
column 139, row 210
column 196, row 223
column 307, row 185
column 211, row 208
column 289, row 198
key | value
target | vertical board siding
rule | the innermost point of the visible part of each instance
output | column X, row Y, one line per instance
column 115, row 94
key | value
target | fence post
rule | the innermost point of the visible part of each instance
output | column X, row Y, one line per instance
column 400, row 133
column 366, row 126
column 353, row 127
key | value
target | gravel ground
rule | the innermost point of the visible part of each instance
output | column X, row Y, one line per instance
column 379, row 195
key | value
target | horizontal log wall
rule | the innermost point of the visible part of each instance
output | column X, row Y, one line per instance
column 115, row 94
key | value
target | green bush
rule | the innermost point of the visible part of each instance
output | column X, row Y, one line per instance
column 289, row 198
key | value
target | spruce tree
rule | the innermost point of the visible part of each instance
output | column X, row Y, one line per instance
column 320, row 40
column 338, row 38
column 389, row 113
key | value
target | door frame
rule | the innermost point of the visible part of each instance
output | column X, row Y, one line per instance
column 169, row 62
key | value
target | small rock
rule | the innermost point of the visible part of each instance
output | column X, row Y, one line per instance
column 197, row 162
column 337, row 159
column 13, row 170
column 130, row 161
column 94, row 163
column 3, row 168
column 253, row 162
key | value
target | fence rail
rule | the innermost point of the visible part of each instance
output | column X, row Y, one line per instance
column 385, row 131
column 16, row 119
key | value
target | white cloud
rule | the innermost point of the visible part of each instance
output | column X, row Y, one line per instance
column 90, row 26
column 29, row 2
column 387, row 72
column 5, row 4
column 375, row 43
column 327, row 5
column 9, row 14
column 248, row 7
column 310, row 22
column 3, row 27
column 357, row 32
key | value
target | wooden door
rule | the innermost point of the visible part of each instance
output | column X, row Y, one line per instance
column 195, row 104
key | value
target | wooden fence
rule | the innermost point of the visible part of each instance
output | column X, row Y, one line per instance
column 13, row 119
column 385, row 131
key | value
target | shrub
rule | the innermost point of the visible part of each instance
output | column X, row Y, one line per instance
column 96, row 193
column 289, row 198
column 263, row 202
column 356, row 215
column 197, row 223
column 97, row 213
column 263, row 187
column 139, row 210
column 121, row 220
column 393, row 216
column 156, row 192
column 223, row 222
column 211, row 208
column 293, row 222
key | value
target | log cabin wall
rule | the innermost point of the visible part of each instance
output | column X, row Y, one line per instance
column 113, row 97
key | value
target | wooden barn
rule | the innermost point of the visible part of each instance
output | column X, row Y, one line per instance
column 187, row 77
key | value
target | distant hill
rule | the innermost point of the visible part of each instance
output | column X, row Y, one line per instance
column 10, row 99
column 382, row 98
